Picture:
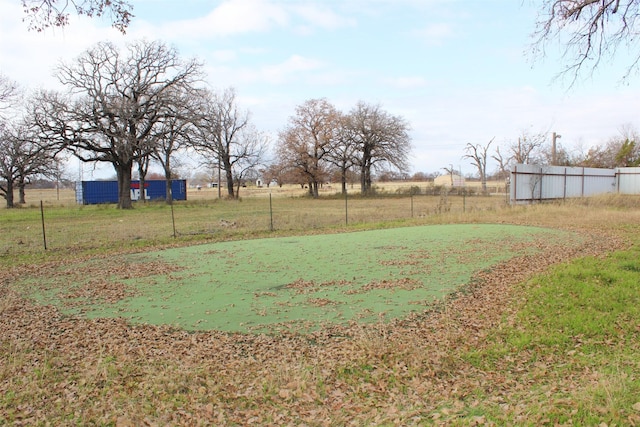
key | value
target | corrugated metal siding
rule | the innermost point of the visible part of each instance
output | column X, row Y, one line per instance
column 98, row 192
column 629, row 180
column 530, row 183
column 599, row 181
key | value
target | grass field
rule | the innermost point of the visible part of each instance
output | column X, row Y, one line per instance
column 66, row 197
column 546, row 336
column 71, row 229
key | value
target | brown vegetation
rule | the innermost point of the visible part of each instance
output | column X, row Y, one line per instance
column 66, row 370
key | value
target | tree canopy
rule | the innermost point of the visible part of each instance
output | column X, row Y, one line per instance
column 319, row 138
column 308, row 139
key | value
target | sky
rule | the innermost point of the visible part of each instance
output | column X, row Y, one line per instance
column 458, row 71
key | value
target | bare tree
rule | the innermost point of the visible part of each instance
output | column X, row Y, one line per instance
column 478, row 155
column 10, row 155
column 248, row 156
column 591, row 31
column 343, row 154
column 226, row 138
column 9, row 95
column 175, row 134
column 142, row 163
column 274, row 173
column 308, row 139
column 381, row 140
column 503, row 163
column 528, row 148
column 116, row 105
column 451, row 172
column 43, row 14
column 21, row 158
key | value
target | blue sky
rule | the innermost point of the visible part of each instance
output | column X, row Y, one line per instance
column 459, row 71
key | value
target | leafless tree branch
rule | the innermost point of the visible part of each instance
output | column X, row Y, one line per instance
column 590, row 32
column 43, row 14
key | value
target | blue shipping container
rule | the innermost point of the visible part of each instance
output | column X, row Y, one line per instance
column 97, row 192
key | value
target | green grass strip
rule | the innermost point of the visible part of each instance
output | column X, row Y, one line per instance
column 573, row 355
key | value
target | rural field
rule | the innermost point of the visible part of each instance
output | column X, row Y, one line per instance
column 282, row 310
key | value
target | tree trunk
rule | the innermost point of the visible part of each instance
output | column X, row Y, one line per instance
column 21, row 193
column 168, row 185
column 343, row 179
column 229, row 174
column 365, row 179
column 142, row 171
column 143, row 196
column 237, row 194
column 124, row 185
column 9, row 195
column 168, row 178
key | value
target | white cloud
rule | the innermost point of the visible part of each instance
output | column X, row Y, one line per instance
column 234, row 17
column 292, row 70
column 320, row 16
column 289, row 69
column 231, row 17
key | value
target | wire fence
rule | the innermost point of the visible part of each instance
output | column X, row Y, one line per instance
column 51, row 226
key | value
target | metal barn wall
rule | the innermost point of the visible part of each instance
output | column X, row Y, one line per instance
column 532, row 183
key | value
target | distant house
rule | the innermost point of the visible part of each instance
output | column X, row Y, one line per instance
column 449, row 181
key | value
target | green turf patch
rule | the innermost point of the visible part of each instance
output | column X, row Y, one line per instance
column 296, row 283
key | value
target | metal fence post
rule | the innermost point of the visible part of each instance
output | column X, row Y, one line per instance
column 346, row 209
column 270, row 212
column 44, row 234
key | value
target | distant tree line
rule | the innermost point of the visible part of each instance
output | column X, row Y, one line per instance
column 144, row 104
column 21, row 157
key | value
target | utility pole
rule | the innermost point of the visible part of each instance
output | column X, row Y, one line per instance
column 554, row 155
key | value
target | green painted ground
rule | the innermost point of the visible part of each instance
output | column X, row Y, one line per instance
column 290, row 282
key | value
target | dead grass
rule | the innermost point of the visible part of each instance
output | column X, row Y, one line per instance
column 72, row 229
column 62, row 370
